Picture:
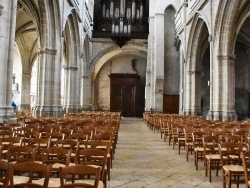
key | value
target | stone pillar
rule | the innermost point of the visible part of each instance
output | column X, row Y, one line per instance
column 149, row 81
column 159, row 62
column 193, row 93
column 182, row 68
column 86, row 93
column 223, row 87
column 25, row 95
column 7, row 39
column 72, row 104
column 48, row 94
column 49, row 61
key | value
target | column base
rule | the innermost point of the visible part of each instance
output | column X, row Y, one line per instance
column 24, row 107
column 193, row 112
column 86, row 107
column 48, row 111
column 73, row 109
column 7, row 115
column 222, row 115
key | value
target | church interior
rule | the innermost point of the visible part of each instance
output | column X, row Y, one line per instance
column 166, row 65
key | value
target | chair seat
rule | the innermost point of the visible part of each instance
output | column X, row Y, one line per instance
column 91, row 182
column 20, row 179
column 199, row 149
column 53, row 182
column 58, row 165
column 233, row 168
column 213, row 156
column 181, row 139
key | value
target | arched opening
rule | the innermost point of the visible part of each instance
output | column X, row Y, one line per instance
column 71, row 66
column 17, row 78
column 171, row 65
column 129, row 63
column 26, row 41
column 205, row 82
column 242, row 72
column 33, row 85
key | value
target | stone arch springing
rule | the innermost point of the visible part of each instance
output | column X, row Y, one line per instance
column 72, row 66
column 197, row 43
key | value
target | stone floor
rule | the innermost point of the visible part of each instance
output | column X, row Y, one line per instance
column 143, row 160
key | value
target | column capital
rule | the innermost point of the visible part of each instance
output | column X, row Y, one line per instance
column 69, row 68
column 226, row 57
column 48, row 51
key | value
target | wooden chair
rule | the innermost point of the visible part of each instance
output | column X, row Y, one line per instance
column 198, row 147
column 188, row 141
column 79, row 171
column 37, row 175
column 7, row 142
column 231, row 162
column 4, row 174
column 246, row 166
column 96, row 157
column 67, row 132
column 54, row 137
column 211, row 155
column 6, row 133
column 21, row 154
column 181, row 138
column 69, row 144
column 41, row 144
column 57, row 157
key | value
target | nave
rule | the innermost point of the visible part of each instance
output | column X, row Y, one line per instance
column 143, row 160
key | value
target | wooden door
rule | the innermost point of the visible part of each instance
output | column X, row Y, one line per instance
column 128, row 101
column 171, row 104
column 123, row 95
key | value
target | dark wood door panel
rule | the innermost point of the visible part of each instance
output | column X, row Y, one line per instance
column 123, row 93
column 171, row 104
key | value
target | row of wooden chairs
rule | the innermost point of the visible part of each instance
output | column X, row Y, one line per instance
column 73, row 135
column 61, row 157
column 38, row 175
column 220, row 144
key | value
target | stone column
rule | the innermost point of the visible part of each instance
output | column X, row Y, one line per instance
column 48, row 94
column 7, row 39
column 182, row 68
column 149, row 80
column 72, row 103
column 159, row 62
column 223, row 87
column 49, row 61
column 86, row 93
column 193, row 93
column 25, row 95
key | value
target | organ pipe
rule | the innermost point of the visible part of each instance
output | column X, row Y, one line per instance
column 111, row 8
column 133, row 10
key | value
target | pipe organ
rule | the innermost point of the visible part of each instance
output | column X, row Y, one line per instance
column 121, row 17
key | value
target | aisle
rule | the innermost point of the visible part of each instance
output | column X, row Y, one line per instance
column 142, row 159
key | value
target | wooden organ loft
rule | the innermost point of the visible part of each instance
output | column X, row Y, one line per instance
column 121, row 20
